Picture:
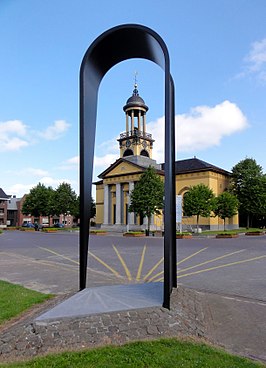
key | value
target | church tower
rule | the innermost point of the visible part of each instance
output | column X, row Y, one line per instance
column 135, row 141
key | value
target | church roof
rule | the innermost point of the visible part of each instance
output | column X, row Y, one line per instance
column 135, row 100
column 195, row 165
column 190, row 165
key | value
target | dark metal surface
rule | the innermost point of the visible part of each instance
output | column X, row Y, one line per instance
column 113, row 46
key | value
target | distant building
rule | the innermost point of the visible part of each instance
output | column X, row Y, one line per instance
column 118, row 180
column 3, row 208
column 13, row 210
column 67, row 219
column 11, row 214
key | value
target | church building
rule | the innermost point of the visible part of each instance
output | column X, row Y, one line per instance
column 118, row 180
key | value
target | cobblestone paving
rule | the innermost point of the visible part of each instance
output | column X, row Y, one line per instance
column 27, row 337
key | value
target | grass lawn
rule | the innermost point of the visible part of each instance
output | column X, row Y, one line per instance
column 15, row 299
column 241, row 230
column 165, row 353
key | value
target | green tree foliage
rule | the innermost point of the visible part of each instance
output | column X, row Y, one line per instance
column 93, row 208
column 43, row 201
column 65, row 200
column 225, row 206
column 198, row 201
column 249, row 185
column 39, row 201
column 76, row 210
column 146, row 198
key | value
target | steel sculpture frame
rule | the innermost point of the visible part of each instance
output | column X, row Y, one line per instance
column 113, row 46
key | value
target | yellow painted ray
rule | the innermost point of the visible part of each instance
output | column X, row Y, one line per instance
column 123, row 263
column 57, row 265
column 216, row 267
column 43, row 262
column 153, row 268
column 154, row 277
column 104, row 264
column 76, row 262
column 192, row 255
column 178, row 263
column 59, row 255
column 141, row 263
column 211, row 260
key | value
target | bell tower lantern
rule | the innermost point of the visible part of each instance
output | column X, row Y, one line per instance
column 135, row 140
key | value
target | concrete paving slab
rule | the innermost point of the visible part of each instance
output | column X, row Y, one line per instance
column 106, row 299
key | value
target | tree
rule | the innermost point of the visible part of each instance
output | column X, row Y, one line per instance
column 39, row 201
column 146, row 198
column 76, row 210
column 198, row 201
column 248, row 183
column 225, row 206
column 64, row 200
column 93, row 208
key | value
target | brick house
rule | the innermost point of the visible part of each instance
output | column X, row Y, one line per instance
column 3, row 208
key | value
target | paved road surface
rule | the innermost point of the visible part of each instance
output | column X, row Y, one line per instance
column 233, row 270
column 49, row 262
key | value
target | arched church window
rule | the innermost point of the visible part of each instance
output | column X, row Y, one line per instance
column 128, row 152
column 144, row 153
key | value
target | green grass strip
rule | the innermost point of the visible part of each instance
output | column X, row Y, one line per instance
column 241, row 230
column 164, row 353
column 15, row 299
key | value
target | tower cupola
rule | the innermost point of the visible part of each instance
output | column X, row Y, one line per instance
column 135, row 101
column 135, row 140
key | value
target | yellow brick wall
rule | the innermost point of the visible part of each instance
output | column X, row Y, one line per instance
column 125, row 172
column 99, row 203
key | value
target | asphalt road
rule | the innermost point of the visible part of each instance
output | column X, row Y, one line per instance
column 49, row 262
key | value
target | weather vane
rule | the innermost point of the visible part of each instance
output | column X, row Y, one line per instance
column 135, row 91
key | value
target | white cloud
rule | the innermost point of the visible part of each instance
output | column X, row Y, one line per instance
column 19, row 189
column 49, row 181
column 55, row 131
column 99, row 161
column 255, row 61
column 12, row 135
column 14, row 126
column 105, row 161
column 70, row 164
column 202, row 128
column 73, row 160
column 36, row 172
column 28, row 171
column 109, row 146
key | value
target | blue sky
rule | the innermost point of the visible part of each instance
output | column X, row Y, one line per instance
column 218, row 62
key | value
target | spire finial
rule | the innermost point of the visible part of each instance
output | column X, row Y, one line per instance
column 136, row 73
column 135, row 91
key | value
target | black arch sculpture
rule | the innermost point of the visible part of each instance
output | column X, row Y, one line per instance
column 113, row 46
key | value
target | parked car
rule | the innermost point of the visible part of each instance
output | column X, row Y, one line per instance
column 58, row 225
column 27, row 224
